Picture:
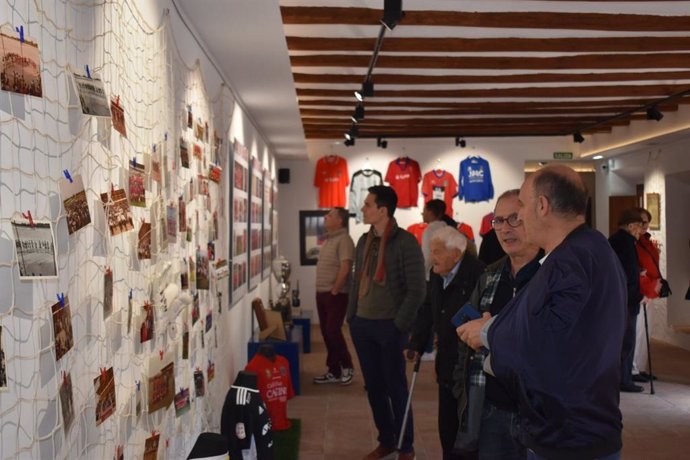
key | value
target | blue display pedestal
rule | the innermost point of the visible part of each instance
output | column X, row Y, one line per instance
column 305, row 324
column 290, row 350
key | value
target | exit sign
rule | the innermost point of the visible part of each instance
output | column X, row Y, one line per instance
column 562, row 155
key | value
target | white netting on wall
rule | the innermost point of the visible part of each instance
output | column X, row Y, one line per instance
column 40, row 137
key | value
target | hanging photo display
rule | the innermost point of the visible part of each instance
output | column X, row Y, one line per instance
column 118, row 116
column 34, row 243
column 117, row 211
column 161, row 382
column 240, row 219
column 92, row 96
column 137, row 181
column 20, row 65
column 104, row 385
column 255, row 224
column 76, row 206
column 266, row 232
column 62, row 327
column 67, row 402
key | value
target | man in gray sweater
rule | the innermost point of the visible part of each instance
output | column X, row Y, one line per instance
column 388, row 288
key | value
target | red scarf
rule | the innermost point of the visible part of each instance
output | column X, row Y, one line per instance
column 380, row 273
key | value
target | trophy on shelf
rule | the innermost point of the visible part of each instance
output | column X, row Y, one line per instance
column 281, row 270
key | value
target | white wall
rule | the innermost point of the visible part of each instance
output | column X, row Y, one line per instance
column 506, row 156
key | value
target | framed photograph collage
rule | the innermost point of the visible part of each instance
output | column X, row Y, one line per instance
column 256, row 222
column 240, row 221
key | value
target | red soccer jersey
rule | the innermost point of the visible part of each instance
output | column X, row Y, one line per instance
column 275, row 387
column 466, row 230
column 418, row 230
column 403, row 175
column 331, row 178
column 440, row 185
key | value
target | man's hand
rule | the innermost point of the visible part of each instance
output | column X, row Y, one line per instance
column 334, row 292
column 411, row 355
column 470, row 332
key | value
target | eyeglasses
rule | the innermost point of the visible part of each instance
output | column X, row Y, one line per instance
column 513, row 220
column 645, row 222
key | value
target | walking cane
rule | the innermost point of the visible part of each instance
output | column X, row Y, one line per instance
column 417, row 363
column 649, row 351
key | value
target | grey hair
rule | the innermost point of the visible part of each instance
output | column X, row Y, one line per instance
column 452, row 238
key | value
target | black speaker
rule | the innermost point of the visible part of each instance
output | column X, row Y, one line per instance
column 284, row 176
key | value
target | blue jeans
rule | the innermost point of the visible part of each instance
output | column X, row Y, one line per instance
column 532, row 456
column 379, row 345
column 498, row 435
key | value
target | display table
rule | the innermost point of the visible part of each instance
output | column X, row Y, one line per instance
column 290, row 350
column 304, row 321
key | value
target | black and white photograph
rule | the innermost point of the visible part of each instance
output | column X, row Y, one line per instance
column 76, row 205
column 117, row 211
column 3, row 364
column 35, row 247
column 137, row 184
column 104, row 386
column 92, row 96
column 20, row 70
column 62, row 328
column 107, row 293
column 67, row 402
column 118, row 112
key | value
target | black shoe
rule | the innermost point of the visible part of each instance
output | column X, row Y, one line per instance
column 632, row 388
column 647, row 376
column 640, row 378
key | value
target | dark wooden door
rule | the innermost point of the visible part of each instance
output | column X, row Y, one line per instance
column 617, row 204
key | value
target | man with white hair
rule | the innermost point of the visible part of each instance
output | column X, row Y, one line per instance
column 453, row 277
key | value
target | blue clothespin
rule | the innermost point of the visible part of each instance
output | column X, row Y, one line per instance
column 134, row 162
column 20, row 31
column 67, row 176
column 88, row 72
column 61, row 299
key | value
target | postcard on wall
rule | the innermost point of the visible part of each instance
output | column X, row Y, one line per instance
column 151, row 447
column 117, row 211
column 211, row 370
column 118, row 113
column 137, row 184
column 147, row 326
column 104, row 385
column 67, row 402
column 199, row 130
column 182, row 404
column 92, row 96
column 171, row 214
column 196, row 314
column 156, row 164
column 184, row 153
column 76, row 205
column 192, row 271
column 20, row 66
column 35, row 248
column 3, row 364
column 107, row 293
column 202, row 279
column 62, row 328
column 199, row 385
column 144, row 242
column 198, row 152
column 161, row 382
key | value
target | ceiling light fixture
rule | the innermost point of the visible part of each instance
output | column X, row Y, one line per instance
column 349, row 142
column 598, row 157
column 577, row 137
column 460, row 142
column 392, row 13
column 366, row 91
column 359, row 114
column 380, row 142
column 653, row 113
column 352, row 133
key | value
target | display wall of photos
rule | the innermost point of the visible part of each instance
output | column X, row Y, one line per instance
column 240, row 221
column 256, row 222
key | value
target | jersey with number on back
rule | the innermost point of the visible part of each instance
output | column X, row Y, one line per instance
column 403, row 175
column 331, row 178
column 440, row 185
column 475, row 180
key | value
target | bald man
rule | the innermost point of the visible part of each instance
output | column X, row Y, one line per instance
column 556, row 347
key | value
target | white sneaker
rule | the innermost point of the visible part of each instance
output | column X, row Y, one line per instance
column 346, row 377
column 326, row 378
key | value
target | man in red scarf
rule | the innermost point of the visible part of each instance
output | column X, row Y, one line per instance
column 388, row 288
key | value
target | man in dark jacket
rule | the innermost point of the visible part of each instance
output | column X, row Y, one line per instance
column 556, row 347
column 624, row 243
column 388, row 287
column 453, row 276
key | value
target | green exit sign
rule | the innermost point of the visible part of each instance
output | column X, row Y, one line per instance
column 562, row 155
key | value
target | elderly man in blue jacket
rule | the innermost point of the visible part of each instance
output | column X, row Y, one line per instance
column 557, row 345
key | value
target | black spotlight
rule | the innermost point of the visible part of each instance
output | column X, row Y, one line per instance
column 653, row 113
column 349, row 142
column 392, row 13
column 459, row 142
column 381, row 143
column 366, row 91
column 352, row 133
column 359, row 114
column 577, row 137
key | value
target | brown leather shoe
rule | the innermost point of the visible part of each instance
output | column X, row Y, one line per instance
column 381, row 451
column 406, row 456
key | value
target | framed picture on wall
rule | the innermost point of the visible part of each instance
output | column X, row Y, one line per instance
column 312, row 235
column 654, row 207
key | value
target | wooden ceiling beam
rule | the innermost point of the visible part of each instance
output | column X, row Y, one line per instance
column 369, row 122
column 493, row 105
column 509, row 19
column 515, row 130
column 554, row 92
column 405, row 79
column 482, row 45
column 579, row 61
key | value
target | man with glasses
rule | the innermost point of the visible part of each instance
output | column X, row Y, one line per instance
column 495, row 421
column 556, row 346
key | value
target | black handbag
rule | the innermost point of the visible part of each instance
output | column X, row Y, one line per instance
column 665, row 290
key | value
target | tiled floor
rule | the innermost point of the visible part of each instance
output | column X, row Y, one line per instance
column 337, row 423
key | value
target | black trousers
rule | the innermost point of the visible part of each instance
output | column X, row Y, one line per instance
column 448, row 424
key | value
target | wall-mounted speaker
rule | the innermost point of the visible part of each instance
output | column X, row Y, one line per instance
column 284, row 175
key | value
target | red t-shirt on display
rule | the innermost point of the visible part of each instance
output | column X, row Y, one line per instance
column 466, row 230
column 440, row 185
column 275, row 387
column 418, row 230
column 331, row 178
column 403, row 175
